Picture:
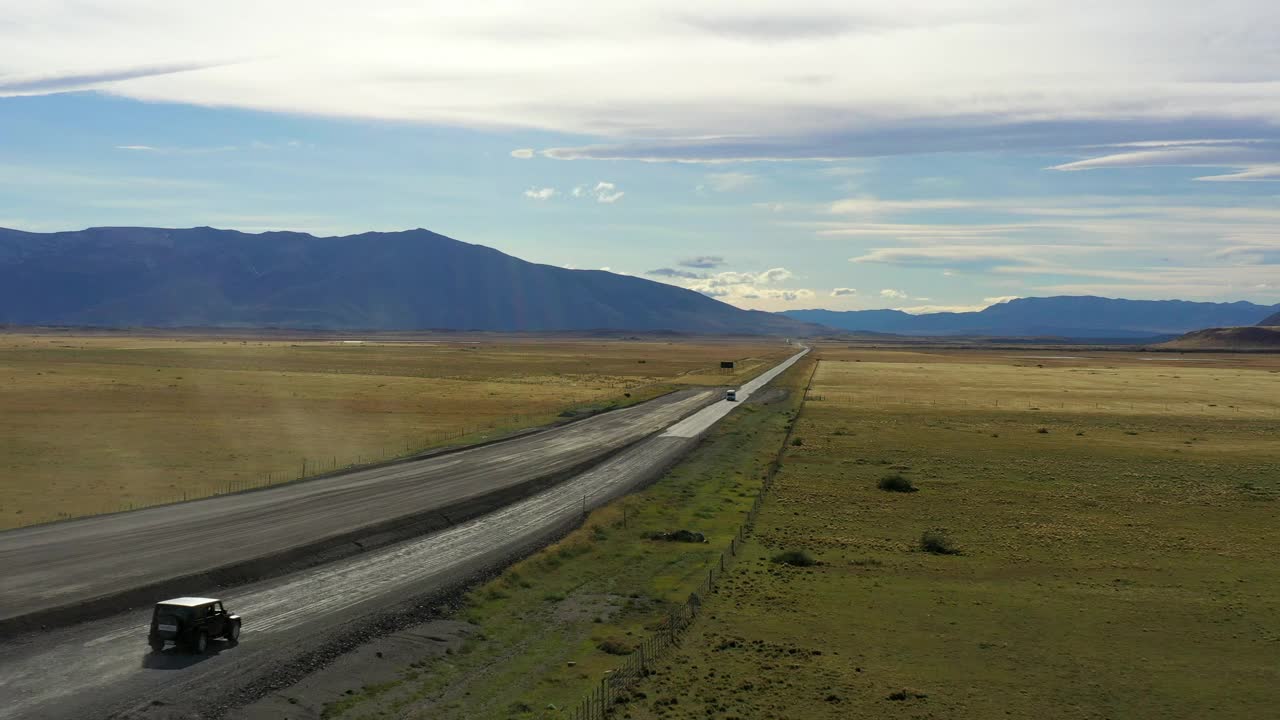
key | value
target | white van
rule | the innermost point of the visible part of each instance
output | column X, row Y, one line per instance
column 731, row 395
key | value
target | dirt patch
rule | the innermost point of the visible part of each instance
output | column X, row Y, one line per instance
column 768, row 396
column 584, row 608
column 372, row 664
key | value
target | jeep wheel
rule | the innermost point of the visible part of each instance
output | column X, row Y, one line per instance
column 201, row 643
column 233, row 633
column 157, row 645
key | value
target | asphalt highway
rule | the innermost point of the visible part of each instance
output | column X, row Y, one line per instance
column 103, row 668
column 63, row 564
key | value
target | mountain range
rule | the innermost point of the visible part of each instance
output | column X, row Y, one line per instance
column 411, row 280
column 1064, row 316
column 420, row 280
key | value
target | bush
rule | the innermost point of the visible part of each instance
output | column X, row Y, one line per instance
column 896, row 483
column 797, row 442
column 615, row 646
column 795, row 558
column 937, row 542
column 1043, row 431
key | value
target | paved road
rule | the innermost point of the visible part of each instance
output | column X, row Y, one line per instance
column 67, row 563
column 103, row 668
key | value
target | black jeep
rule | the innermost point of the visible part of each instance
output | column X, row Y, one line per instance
column 191, row 622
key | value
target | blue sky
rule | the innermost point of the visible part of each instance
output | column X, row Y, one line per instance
column 929, row 155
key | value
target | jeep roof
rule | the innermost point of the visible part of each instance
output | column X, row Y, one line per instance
column 188, row 601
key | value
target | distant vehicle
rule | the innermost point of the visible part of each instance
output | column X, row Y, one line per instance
column 191, row 622
column 731, row 395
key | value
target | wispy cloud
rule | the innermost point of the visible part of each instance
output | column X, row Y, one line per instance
column 522, row 153
column 544, row 193
column 63, row 82
column 923, row 76
column 731, row 181
column 602, row 192
column 675, row 273
column 843, row 292
column 891, row 294
column 703, row 261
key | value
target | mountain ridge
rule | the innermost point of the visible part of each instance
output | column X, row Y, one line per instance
column 1075, row 316
column 408, row 280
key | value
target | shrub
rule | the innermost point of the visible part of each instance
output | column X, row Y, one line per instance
column 937, row 542
column 795, row 558
column 615, row 646
column 1043, row 431
column 797, row 442
column 896, row 483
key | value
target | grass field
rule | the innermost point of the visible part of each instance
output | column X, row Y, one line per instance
column 100, row 422
column 548, row 628
column 1113, row 529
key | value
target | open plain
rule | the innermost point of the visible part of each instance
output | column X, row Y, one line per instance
column 1005, row 534
column 104, row 421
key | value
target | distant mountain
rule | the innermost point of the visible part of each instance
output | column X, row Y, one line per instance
column 1231, row 338
column 1273, row 320
column 1064, row 316
column 154, row 277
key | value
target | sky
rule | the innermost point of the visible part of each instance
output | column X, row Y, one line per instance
column 920, row 155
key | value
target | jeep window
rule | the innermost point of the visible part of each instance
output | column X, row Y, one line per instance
column 178, row 611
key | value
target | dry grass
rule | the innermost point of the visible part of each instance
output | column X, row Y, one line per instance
column 94, row 423
column 1103, row 573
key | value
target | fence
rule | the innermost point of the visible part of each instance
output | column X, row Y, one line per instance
column 613, row 686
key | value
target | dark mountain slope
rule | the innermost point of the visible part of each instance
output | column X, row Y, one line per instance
column 1273, row 320
column 415, row 279
column 1065, row 316
column 1233, row 338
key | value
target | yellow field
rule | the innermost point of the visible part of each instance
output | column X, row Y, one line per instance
column 1114, row 520
column 99, row 422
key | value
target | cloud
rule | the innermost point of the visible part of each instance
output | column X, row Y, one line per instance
column 703, row 261
column 545, row 193
column 522, row 153
column 675, row 273
column 44, row 84
column 1256, row 173
column 1254, row 159
column 731, row 181
column 868, row 205
column 892, row 294
column 174, row 150
column 1249, row 255
column 767, row 80
column 843, row 292
column 607, row 192
column 950, row 256
column 774, row 27
column 603, row 192
column 755, row 289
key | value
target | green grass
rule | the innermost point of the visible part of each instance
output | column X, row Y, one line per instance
column 1102, row 574
column 549, row 627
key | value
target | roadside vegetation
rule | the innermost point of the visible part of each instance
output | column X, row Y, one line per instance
column 548, row 628
column 1120, row 565
column 111, row 421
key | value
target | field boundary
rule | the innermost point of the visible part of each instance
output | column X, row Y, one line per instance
column 599, row 703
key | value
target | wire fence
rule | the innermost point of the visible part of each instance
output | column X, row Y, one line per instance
column 1222, row 406
column 614, row 686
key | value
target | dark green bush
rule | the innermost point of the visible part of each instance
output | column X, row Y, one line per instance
column 795, row 558
column 896, row 483
column 937, row 542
